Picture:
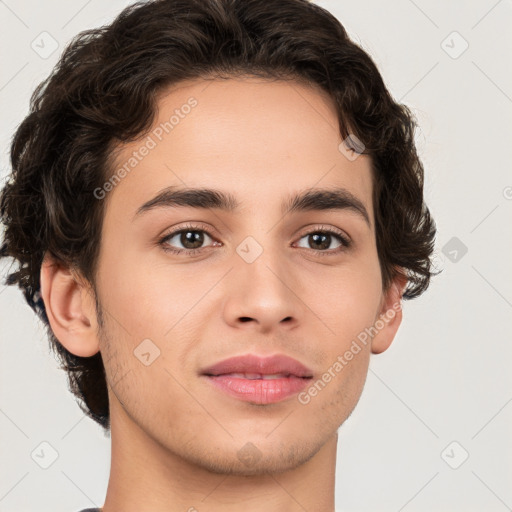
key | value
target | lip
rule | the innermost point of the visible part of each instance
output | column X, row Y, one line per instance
column 252, row 363
column 295, row 377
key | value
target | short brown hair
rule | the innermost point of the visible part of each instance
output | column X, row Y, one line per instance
column 103, row 91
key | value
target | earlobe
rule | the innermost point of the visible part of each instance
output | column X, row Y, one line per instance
column 70, row 309
column 390, row 316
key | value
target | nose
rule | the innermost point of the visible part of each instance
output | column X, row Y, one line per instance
column 263, row 295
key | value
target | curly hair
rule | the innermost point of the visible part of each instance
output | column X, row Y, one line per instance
column 103, row 91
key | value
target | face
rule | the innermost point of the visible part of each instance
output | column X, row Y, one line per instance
column 184, row 285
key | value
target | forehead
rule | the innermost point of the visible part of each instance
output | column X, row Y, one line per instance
column 258, row 139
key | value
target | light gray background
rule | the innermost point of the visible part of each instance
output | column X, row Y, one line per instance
column 445, row 379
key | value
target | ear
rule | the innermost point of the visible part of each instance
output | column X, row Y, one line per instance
column 390, row 315
column 70, row 308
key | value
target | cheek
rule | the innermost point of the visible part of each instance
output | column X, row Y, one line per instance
column 141, row 295
column 350, row 306
column 348, row 309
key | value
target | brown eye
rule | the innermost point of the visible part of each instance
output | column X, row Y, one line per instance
column 187, row 240
column 321, row 240
column 191, row 239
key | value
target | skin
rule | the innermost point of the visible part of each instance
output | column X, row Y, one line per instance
column 176, row 440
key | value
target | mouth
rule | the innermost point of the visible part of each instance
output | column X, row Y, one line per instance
column 259, row 379
column 259, row 389
column 255, row 376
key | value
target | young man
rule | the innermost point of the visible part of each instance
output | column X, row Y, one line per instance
column 217, row 207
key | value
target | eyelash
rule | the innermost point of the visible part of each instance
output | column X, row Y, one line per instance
column 345, row 242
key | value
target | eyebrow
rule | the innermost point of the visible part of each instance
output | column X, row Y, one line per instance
column 307, row 200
